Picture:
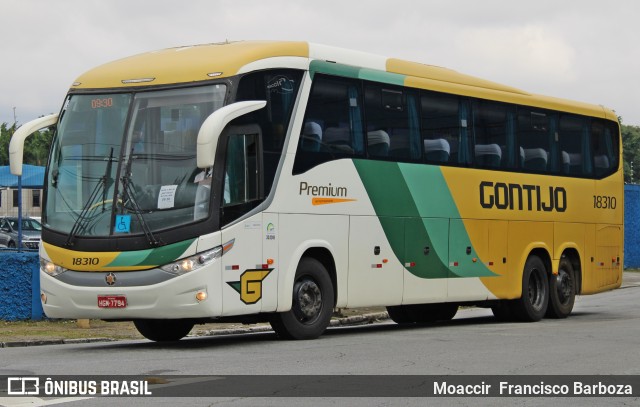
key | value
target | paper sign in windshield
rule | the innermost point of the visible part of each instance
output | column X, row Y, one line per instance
column 166, row 197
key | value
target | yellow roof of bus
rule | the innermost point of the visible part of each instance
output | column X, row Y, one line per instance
column 213, row 61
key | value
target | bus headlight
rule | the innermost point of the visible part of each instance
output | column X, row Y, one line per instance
column 194, row 262
column 50, row 268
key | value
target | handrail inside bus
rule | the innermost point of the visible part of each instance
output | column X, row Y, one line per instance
column 215, row 123
column 16, row 146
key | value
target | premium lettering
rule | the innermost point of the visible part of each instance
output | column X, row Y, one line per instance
column 322, row 190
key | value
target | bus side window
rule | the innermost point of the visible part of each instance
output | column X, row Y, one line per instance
column 393, row 123
column 537, row 141
column 604, row 146
column 441, row 127
column 279, row 87
column 333, row 126
column 494, row 145
column 573, row 134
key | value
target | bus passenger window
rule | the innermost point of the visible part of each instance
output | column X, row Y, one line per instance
column 537, row 141
column 393, row 123
column 333, row 127
column 604, row 147
column 493, row 130
column 573, row 137
column 441, row 128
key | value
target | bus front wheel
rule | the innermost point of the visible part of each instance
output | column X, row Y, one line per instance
column 163, row 330
column 533, row 303
column 312, row 306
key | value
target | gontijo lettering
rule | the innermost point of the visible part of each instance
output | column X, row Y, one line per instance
column 522, row 197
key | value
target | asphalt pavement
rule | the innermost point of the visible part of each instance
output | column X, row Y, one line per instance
column 630, row 279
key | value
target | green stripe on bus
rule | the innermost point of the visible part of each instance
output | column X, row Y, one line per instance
column 348, row 71
column 152, row 257
column 413, row 217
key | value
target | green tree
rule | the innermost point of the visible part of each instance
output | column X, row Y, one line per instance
column 5, row 137
column 36, row 146
column 631, row 153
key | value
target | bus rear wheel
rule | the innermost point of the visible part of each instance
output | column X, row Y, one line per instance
column 312, row 306
column 562, row 291
column 533, row 303
column 163, row 330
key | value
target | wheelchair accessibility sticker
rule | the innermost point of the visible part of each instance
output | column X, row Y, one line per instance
column 123, row 224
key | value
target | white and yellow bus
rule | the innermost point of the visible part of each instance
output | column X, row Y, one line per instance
column 275, row 181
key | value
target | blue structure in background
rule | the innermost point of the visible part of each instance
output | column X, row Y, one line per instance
column 32, row 177
column 20, row 287
column 632, row 226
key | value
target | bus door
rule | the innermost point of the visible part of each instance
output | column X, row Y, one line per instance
column 244, row 267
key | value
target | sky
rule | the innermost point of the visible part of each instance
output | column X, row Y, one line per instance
column 583, row 50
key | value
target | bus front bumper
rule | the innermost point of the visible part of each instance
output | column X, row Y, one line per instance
column 90, row 295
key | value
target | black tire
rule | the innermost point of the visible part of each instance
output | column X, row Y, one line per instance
column 562, row 291
column 422, row 313
column 11, row 244
column 163, row 330
column 425, row 313
column 532, row 306
column 312, row 307
column 446, row 312
column 503, row 310
column 399, row 314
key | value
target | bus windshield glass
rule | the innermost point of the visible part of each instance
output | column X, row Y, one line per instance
column 135, row 150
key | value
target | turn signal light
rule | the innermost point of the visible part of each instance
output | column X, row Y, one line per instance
column 201, row 296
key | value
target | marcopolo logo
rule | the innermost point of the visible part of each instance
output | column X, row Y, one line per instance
column 280, row 84
column 525, row 197
column 324, row 194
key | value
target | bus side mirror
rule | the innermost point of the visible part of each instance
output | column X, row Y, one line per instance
column 214, row 124
column 16, row 146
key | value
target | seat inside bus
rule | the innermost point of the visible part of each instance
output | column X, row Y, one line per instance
column 378, row 143
column 488, row 155
column 437, row 150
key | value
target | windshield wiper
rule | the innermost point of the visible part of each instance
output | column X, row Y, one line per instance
column 103, row 182
column 129, row 196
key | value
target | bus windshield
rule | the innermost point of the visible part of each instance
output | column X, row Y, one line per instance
column 137, row 150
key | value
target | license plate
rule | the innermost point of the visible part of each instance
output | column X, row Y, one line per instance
column 112, row 301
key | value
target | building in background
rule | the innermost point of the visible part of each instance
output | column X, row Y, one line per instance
column 32, row 181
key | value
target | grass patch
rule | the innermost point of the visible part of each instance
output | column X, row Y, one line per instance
column 65, row 329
